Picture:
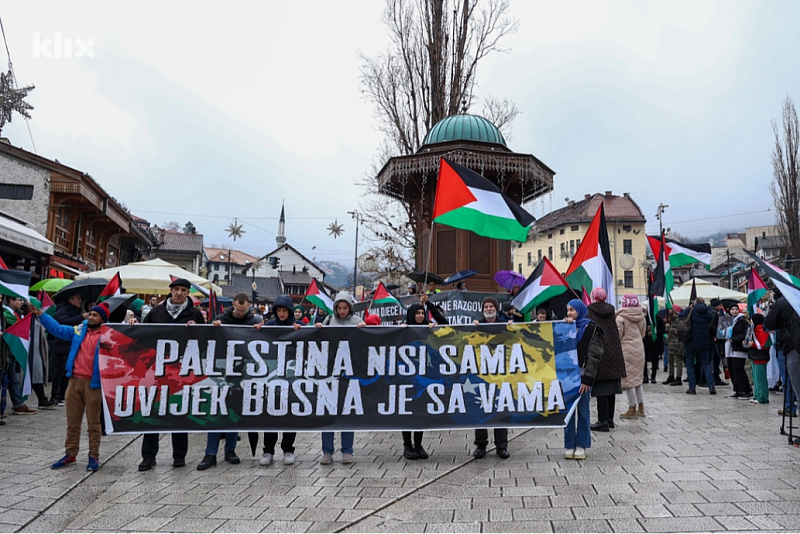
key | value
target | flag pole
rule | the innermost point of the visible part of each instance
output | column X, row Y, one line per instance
column 430, row 246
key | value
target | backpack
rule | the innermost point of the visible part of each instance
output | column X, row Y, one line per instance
column 683, row 326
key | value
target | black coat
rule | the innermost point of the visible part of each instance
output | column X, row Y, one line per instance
column 159, row 315
column 67, row 315
column 612, row 366
column 227, row 317
column 702, row 325
column 783, row 318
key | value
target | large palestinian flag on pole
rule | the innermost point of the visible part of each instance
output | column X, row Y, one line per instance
column 680, row 254
column 18, row 339
column 544, row 283
column 591, row 265
column 467, row 200
column 318, row 298
column 660, row 251
column 15, row 283
column 756, row 289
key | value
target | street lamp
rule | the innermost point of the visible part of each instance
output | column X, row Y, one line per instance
column 357, row 216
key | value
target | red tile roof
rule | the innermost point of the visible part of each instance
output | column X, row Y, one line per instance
column 617, row 209
column 237, row 257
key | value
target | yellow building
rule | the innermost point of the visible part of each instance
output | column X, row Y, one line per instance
column 558, row 234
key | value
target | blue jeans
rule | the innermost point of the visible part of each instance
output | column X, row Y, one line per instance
column 789, row 403
column 701, row 356
column 581, row 419
column 666, row 356
column 212, row 444
column 347, row 442
column 14, row 384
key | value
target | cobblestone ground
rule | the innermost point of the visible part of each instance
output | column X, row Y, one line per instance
column 695, row 463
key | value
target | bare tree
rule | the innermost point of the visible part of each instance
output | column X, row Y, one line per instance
column 427, row 74
column 785, row 186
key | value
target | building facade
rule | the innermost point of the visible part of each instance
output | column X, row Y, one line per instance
column 558, row 234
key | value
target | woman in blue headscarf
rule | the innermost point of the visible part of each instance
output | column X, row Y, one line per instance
column 578, row 433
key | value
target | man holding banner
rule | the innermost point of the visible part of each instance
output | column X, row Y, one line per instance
column 177, row 309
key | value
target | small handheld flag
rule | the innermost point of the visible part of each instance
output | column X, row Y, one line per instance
column 318, row 297
column 114, row 287
column 756, row 289
column 544, row 283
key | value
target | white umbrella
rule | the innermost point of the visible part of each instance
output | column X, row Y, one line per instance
column 705, row 289
column 150, row 276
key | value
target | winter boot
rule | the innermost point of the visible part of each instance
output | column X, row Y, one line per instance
column 629, row 414
column 668, row 381
column 640, row 411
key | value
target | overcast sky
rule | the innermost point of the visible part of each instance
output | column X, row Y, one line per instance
column 208, row 111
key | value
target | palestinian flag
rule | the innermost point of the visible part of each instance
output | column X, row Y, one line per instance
column 788, row 285
column 756, row 289
column 201, row 289
column 15, row 283
column 658, row 245
column 3, row 264
column 680, row 254
column 591, row 265
column 318, row 298
column 18, row 339
column 382, row 296
column 693, row 293
column 585, row 298
column 214, row 308
column 467, row 200
column 544, row 283
column 48, row 306
column 114, row 287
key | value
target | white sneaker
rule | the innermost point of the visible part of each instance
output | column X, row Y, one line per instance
column 569, row 454
column 580, row 453
column 288, row 458
column 266, row 459
column 347, row 458
column 326, row 459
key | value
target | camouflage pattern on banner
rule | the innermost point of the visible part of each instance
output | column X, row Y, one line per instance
column 170, row 378
column 460, row 307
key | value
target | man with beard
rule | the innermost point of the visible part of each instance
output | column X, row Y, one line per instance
column 491, row 314
column 83, row 392
column 68, row 313
column 177, row 309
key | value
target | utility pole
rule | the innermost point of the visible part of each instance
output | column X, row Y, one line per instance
column 659, row 216
column 357, row 216
column 730, row 269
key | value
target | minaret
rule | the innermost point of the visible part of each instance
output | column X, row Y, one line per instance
column 281, row 237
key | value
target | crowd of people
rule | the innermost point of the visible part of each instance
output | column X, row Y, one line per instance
column 614, row 348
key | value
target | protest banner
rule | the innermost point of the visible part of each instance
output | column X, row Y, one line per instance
column 168, row 378
column 460, row 307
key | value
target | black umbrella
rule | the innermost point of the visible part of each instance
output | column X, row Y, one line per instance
column 423, row 277
column 89, row 289
column 221, row 301
column 392, row 287
column 457, row 277
column 118, row 306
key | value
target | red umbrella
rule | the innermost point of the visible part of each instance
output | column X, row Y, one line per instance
column 509, row 279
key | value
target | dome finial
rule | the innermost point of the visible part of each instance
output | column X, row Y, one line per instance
column 464, row 106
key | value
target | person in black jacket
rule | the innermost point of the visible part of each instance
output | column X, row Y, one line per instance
column 68, row 313
column 238, row 314
column 491, row 314
column 698, row 348
column 783, row 318
column 611, row 369
column 284, row 316
column 177, row 309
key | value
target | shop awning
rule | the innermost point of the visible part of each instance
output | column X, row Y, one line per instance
column 21, row 235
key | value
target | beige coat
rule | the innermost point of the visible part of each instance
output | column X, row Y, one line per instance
column 632, row 325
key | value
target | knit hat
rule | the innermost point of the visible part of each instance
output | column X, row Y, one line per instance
column 102, row 311
column 629, row 300
column 598, row 294
column 492, row 300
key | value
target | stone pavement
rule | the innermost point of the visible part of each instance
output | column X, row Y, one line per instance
column 695, row 463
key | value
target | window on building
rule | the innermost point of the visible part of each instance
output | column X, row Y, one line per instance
column 540, row 255
column 574, row 228
column 530, row 258
column 16, row 191
column 549, row 236
column 628, row 278
column 626, row 228
column 561, row 232
column 520, row 268
column 578, row 243
column 627, row 246
column 550, row 253
column 563, row 247
column 572, row 247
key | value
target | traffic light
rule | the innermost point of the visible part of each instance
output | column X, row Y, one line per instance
column 273, row 262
